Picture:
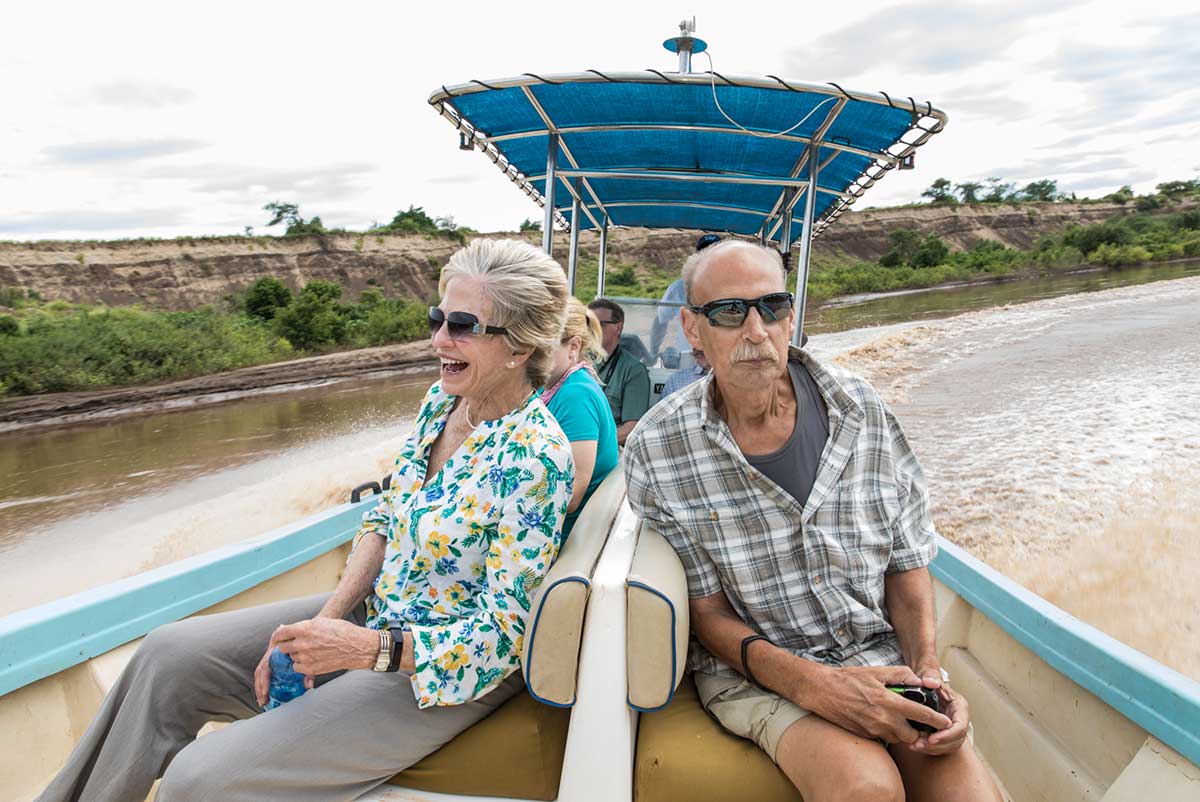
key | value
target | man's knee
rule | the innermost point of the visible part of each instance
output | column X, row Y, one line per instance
column 167, row 648
column 868, row 786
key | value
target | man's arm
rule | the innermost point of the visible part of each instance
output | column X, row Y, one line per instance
column 635, row 400
column 855, row 699
column 908, row 596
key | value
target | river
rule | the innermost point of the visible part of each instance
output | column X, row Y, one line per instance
column 1060, row 436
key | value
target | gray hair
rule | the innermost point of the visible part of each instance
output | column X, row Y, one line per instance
column 528, row 291
column 712, row 252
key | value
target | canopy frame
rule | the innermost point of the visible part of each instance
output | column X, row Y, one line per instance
column 798, row 185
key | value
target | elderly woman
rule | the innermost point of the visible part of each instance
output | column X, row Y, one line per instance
column 445, row 563
column 576, row 399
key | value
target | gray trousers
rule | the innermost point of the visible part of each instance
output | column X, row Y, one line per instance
column 339, row 740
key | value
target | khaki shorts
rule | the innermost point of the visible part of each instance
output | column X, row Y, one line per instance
column 747, row 710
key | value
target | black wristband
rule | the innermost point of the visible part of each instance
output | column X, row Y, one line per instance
column 746, row 641
column 397, row 649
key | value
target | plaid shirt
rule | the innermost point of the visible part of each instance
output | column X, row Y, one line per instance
column 811, row 579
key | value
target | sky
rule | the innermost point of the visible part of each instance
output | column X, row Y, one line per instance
column 128, row 119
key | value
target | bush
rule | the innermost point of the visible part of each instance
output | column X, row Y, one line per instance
column 9, row 326
column 266, row 296
column 1119, row 255
column 1089, row 238
column 931, row 253
column 313, row 319
column 100, row 347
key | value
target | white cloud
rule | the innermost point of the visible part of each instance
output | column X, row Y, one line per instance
column 121, row 111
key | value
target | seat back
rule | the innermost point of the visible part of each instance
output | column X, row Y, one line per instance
column 656, row 622
column 550, row 658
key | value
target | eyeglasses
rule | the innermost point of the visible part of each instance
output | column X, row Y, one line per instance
column 611, row 322
column 459, row 324
column 731, row 312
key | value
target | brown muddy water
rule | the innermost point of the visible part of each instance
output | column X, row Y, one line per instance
column 1060, row 437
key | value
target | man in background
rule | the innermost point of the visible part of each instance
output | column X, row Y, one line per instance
column 626, row 380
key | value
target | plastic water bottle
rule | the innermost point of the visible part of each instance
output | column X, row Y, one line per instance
column 286, row 684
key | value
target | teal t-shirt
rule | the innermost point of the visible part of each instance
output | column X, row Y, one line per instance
column 583, row 412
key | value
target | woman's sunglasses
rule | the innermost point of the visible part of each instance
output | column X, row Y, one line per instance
column 459, row 324
column 731, row 312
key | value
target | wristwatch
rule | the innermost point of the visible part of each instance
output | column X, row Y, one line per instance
column 385, row 651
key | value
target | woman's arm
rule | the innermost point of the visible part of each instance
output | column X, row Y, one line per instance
column 584, row 452
column 358, row 579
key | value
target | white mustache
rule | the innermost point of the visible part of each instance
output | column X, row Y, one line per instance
column 751, row 353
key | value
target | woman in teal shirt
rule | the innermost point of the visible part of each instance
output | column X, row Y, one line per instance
column 576, row 399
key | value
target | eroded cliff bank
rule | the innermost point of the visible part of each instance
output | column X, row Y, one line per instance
column 187, row 273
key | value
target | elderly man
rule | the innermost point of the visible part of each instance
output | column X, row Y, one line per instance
column 626, row 380
column 800, row 514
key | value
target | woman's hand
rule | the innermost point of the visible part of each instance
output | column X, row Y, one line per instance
column 318, row 646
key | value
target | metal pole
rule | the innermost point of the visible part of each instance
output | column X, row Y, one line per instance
column 603, row 257
column 810, row 207
column 785, row 234
column 548, row 194
column 573, row 253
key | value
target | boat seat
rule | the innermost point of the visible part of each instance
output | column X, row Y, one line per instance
column 517, row 752
column 683, row 753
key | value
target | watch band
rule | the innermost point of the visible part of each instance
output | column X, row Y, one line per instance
column 385, row 651
column 397, row 648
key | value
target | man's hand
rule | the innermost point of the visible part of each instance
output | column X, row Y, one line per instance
column 318, row 646
column 857, row 700
column 943, row 742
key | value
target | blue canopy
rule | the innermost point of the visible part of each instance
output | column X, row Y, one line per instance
column 692, row 150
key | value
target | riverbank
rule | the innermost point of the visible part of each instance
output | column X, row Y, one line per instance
column 65, row 409
column 847, row 312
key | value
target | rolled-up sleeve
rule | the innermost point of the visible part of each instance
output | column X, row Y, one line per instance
column 913, row 535
column 702, row 577
column 464, row 660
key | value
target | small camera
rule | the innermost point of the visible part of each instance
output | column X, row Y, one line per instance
column 922, row 696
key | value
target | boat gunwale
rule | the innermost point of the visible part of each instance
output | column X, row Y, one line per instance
column 44, row 640
column 1160, row 700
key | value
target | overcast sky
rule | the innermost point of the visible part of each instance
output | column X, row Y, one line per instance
column 123, row 119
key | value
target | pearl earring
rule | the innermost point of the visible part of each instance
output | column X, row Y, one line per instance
column 512, row 364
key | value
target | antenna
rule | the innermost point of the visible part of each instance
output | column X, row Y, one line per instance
column 685, row 44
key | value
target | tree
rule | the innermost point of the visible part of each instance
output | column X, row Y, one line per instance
column 1044, row 190
column 1122, row 195
column 296, row 225
column 931, row 253
column 903, row 243
column 531, row 225
column 266, row 296
column 283, row 213
column 314, row 317
column 1173, row 189
column 940, row 191
column 968, row 191
column 997, row 191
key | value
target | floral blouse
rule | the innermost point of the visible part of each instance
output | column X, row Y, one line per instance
column 466, row 549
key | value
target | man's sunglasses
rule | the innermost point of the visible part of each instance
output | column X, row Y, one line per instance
column 731, row 312
column 459, row 324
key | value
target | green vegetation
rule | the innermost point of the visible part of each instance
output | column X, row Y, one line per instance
column 912, row 261
column 57, row 347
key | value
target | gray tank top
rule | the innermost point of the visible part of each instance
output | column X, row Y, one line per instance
column 794, row 466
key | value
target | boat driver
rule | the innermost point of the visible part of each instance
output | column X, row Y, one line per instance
column 802, row 520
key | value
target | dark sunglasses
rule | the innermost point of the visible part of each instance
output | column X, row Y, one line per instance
column 459, row 324
column 731, row 312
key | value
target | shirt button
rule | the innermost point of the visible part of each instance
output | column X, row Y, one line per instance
column 713, row 515
column 817, row 581
column 840, row 632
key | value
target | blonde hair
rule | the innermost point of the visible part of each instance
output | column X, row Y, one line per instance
column 583, row 323
column 528, row 291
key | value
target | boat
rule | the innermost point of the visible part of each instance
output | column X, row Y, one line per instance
column 1060, row 711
